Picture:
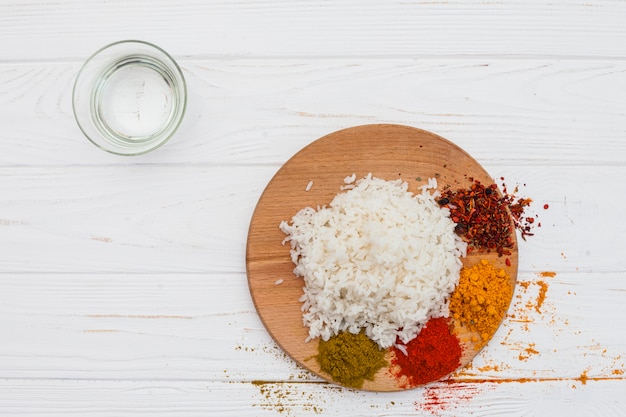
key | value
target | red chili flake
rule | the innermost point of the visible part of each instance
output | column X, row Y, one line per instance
column 507, row 261
column 546, row 206
column 486, row 218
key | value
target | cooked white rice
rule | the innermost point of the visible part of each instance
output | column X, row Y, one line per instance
column 377, row 258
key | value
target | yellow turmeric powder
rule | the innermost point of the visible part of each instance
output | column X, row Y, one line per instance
column 481, row 299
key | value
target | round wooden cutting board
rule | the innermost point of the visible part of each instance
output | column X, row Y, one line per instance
column 386, row 151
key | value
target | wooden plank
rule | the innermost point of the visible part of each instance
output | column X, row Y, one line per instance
column 203, row 327
column 178, row 219
column 138, row 219
column 263, row 111
column 202, row 398
column 58, row 30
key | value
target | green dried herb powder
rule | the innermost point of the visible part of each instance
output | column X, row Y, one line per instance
column 350, row 358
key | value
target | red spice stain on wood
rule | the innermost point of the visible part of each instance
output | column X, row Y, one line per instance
column 447, row 395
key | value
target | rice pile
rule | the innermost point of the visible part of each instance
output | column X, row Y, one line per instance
column 377, row 258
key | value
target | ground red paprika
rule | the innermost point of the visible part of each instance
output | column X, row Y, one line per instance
column 432, row 354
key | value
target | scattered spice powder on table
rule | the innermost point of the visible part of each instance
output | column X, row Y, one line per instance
column 350, row 358
column 481, row 299
column 432, row 354
column 543, row 289
column 482, row 216
column 528, row 352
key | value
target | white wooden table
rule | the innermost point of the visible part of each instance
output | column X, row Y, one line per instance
column 122, row 279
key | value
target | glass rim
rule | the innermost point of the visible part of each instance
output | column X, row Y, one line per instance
column 84, row 84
